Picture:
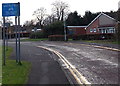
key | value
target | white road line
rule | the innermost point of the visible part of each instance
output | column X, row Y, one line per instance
column 81, row 80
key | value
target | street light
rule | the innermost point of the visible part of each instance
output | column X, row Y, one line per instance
column 65, row 36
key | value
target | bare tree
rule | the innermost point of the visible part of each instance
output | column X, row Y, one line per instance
column 49, row 19
column 60, row 9
column 7, row 20
column 28, row 25
column 40, row 14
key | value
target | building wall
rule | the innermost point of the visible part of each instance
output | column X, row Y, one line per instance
column 93, row 26
column 103, row 24
column 78, row 30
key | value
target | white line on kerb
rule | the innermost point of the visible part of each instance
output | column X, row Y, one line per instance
column 77, row 75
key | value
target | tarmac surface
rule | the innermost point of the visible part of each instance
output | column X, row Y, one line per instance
column 98, row 65
column 45, row 67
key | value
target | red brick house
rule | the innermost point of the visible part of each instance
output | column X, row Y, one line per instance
column 102, row 24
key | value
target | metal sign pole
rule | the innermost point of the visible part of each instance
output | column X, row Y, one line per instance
column 6, row 38
column 19, row 41
column 3, row 54
column 11, row 9
column 16, row 39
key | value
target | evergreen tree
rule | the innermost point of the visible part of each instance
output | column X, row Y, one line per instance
column 74, row 19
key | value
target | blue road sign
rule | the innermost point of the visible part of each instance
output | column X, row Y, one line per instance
column 10, row 9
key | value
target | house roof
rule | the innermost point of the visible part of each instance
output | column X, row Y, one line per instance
column 98, row 17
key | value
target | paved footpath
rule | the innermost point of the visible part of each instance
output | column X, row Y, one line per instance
column 45, row 68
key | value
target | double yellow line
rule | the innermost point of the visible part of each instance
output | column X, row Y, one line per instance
column 81, row 80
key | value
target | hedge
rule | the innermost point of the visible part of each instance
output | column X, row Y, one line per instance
column 37, row 35
column 57, row 38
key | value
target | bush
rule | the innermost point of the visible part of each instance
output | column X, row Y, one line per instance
column 93, row 37
column 37, row 35
column 54, row 28
column 56, row 38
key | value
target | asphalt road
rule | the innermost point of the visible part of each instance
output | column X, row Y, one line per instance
column 45, row 67
column 99, row 66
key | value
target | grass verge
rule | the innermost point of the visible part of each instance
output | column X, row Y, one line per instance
column 13, row 73
column 41, row 39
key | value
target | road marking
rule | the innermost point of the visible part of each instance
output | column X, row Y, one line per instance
column 81, row 80
column 108, row 48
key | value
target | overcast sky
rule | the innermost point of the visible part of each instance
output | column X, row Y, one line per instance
column 29, row 6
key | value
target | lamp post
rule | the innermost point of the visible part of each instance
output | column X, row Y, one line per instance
column 65, row 36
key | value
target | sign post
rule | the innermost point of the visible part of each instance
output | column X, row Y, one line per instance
column 16, row 35
column 6, row 31
column 12, row 9
column 3, row 49
column 19, row 60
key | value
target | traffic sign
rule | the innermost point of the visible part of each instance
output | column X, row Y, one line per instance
column 10, row 9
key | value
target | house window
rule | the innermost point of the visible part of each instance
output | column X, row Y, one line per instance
column 108, row 30
column 95, row 30
column 103, row 31
column 91, row 30
column 100, row 30
column 111, row 30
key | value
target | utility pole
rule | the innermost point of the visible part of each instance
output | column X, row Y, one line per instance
column 65, row 34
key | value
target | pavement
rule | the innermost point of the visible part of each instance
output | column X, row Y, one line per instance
column 45, row 67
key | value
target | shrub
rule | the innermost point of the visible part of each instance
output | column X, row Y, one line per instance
column 56, row 38
column 54, row 28
column 37, row 35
